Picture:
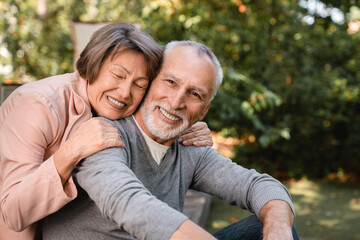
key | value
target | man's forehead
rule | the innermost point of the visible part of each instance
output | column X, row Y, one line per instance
column 182, row 51
column 185, row 56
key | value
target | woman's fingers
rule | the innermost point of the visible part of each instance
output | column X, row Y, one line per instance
column 198, row 135
column 105, row 133
column 111, row 139
column 94, row 135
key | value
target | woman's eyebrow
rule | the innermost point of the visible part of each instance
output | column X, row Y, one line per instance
column 128, row 72
column 125, row 69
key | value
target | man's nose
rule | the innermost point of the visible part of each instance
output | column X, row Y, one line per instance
column 177, row 100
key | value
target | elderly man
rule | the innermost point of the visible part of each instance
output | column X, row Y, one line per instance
column 138, row 192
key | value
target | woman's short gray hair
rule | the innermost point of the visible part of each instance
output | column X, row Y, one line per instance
column 112, row 39
column 201, row 50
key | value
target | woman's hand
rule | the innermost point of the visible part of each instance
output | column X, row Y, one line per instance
column 91, row 136
column 198, row 135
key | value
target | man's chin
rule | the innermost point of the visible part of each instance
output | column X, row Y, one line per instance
column 167, row 133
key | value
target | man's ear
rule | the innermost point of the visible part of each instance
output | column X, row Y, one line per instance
column 204, row 112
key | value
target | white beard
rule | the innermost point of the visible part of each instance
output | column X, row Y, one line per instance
column 159, row 128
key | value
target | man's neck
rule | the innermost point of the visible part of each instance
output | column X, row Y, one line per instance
column 140, row 121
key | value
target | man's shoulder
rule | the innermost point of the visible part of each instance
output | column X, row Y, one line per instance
column 201, row 155
column 193, row 151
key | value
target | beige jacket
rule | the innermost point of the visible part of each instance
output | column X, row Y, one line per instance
column 34, row 120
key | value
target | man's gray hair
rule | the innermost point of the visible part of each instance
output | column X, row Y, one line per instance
column 201, row 50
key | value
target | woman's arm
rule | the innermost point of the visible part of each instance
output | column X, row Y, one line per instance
column 91, row 136
column 36, row 183
column 198, row 135
column 31, row 187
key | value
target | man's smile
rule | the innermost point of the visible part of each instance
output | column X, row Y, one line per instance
column 168, row 115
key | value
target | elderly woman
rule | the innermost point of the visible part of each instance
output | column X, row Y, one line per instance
column 46, row 127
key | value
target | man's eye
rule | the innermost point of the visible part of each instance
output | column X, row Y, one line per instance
column 195, row 94
column 170, row 81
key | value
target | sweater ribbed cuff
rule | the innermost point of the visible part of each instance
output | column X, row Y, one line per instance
column 275, row 192
column 167, row 223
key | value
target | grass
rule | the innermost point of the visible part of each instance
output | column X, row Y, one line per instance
column 325, row 210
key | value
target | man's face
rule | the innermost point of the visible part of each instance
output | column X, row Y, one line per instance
column 179, row 96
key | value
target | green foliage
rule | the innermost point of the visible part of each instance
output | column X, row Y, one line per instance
column 290, row 91
column 39, row 46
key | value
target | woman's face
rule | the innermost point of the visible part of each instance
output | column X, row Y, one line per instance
column 120, row 85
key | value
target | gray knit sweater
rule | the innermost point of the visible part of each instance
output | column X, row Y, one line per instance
column 130, row 196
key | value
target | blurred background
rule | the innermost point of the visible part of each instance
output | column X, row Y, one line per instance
column 289, row 104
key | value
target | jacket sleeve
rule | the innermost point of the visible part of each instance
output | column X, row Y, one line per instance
column 248, row 189
column 31, row 187
column 121, row 196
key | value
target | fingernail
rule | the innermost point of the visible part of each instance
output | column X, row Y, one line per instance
column 195, row 143
column 180, row 139
column 185, row 142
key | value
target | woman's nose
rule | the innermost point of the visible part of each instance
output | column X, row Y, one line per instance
column 124, row 88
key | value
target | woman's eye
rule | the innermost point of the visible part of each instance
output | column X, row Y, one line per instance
column 120, row 76
column 170, row 81
column 139, row 86
column 142, row 84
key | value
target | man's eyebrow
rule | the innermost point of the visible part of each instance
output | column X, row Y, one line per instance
column 171, row 76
